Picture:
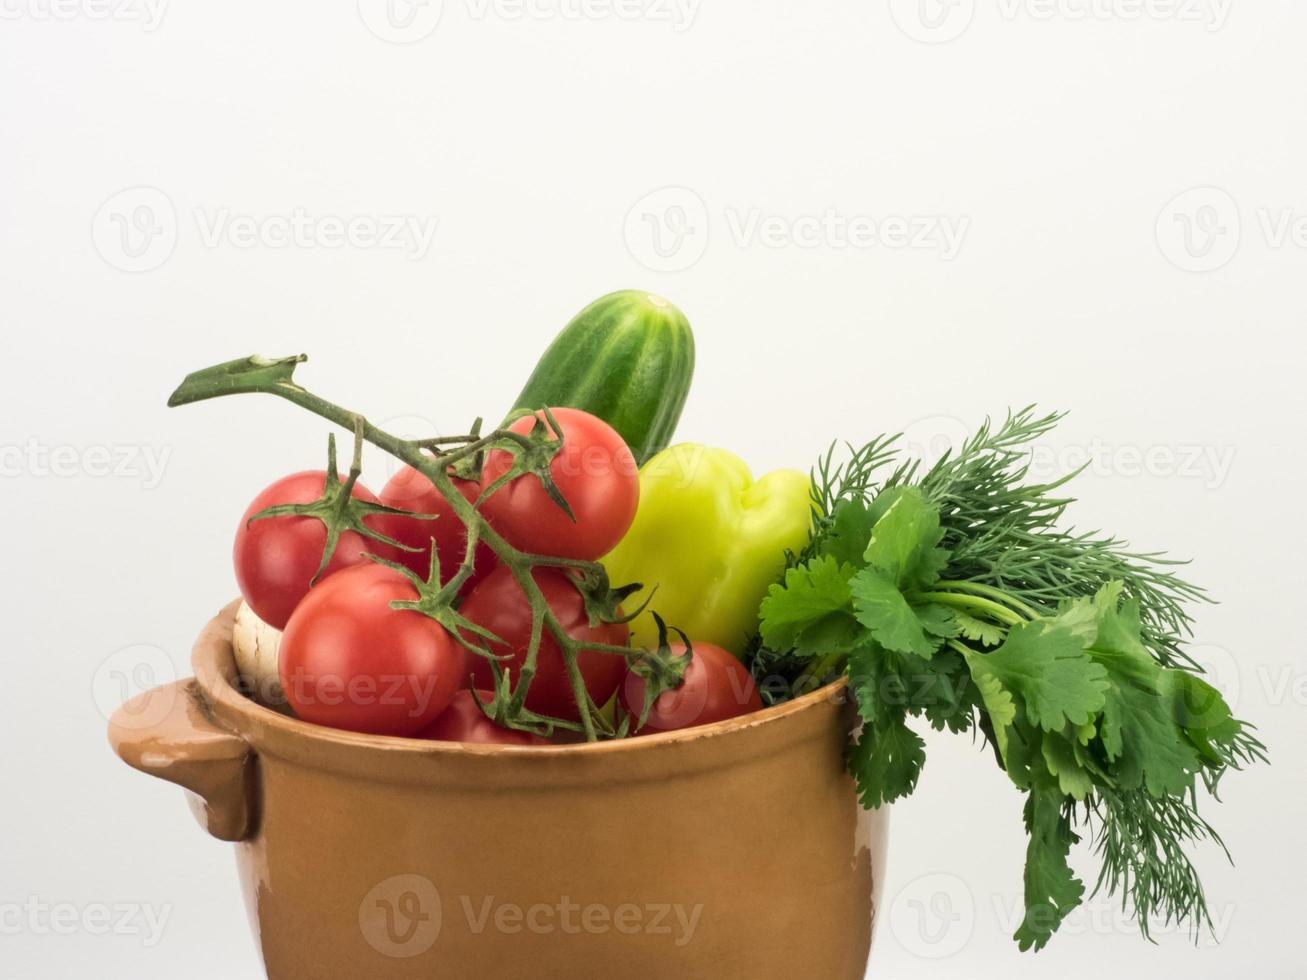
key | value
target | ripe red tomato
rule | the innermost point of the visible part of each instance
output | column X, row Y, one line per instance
column 348, row 660
column 276, row 557
column 410, row 490
column 716, row 687
column 593, row 470
column 464, row 721
column 499, row 605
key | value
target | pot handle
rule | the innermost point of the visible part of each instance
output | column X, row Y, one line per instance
column 168, row 732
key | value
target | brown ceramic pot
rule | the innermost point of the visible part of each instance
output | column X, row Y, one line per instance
column 735, row 851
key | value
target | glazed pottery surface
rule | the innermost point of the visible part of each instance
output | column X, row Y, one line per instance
column 735, row 851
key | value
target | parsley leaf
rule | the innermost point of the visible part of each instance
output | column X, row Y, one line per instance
column 1052, row 890
column 887, row 760
column 904, row 543
column 812, row 612
column 846, row 538
column 888, row 616
column 1045, row 664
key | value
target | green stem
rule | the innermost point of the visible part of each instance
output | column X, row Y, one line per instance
column 991, row 592
column 975, row 603
column 962, row 648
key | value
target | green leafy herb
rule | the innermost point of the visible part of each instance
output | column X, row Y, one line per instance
column 950, row 593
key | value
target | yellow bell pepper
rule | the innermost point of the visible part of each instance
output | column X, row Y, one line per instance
column 712, row 539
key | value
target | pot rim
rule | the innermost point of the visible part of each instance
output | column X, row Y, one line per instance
column 214, row 663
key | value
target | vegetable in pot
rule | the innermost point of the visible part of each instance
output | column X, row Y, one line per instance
column 711, row 539
column 628, row 358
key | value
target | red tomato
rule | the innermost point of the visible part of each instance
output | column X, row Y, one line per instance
column 410, row 490
column 464, row 721
column 716, row 687
column 597, row 476
column 499, row 605
column 348, row 660
column 276, row 557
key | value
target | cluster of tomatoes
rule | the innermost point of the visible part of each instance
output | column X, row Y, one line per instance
column 348, row 659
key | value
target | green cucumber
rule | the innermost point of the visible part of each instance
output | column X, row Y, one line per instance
column 628, row 358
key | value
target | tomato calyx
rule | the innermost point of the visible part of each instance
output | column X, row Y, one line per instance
column 437, row 601
column 603, row 602
column 533, row 454
column 660, row 671
column 338, row 509
column 506, row 710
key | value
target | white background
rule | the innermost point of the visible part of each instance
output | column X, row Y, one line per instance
column 1066, row 141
